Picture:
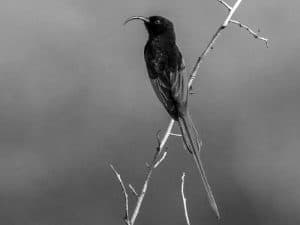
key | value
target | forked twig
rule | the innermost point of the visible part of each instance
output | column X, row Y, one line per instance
column 155, row 163
column 157, row 160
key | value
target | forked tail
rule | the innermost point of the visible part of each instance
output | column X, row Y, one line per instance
column 191, row 141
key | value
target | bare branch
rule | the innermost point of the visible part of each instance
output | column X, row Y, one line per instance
column 133, row 190
column 253, row 33
column 166, row 135
column 231, row 12
column 204, row 53
column 176, row 135
column 126, row 217
column 186, row 214
column 160, row 160
column 212, row 42
column 155, row 163
column 225, row 4
column 141, row 197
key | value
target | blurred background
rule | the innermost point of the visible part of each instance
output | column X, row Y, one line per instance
column 75, row 96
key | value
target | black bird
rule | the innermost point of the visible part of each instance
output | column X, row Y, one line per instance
column 169, row 80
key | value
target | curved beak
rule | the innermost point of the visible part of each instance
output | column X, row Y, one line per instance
column 146, row 20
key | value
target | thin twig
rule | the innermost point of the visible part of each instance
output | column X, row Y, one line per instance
column 212, row 41
column 252, row 32
column 176, row 135
column 155, row 163
column 126, row 217
column 166, row 135
column 186, row 214
column 160, row 160
column 225, row 4
column 133, row 190
column 204, row 53
column 141, row 197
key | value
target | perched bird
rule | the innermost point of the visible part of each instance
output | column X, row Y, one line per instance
column 169, row 80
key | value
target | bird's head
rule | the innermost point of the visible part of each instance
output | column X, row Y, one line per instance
column 155, row 25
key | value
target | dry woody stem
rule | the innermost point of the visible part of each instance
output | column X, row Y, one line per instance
column 157, row 160
column 253, row 33
column 124, row 193
column 186, row 214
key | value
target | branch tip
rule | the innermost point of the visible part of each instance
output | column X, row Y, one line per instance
column 126, row 216
column 250, row 31
column 186, row 214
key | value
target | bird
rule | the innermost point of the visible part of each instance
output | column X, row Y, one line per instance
column 169, row 79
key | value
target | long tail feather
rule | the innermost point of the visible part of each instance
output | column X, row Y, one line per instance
column 191, row 141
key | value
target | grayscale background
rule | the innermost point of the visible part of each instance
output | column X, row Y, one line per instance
column 74, row 97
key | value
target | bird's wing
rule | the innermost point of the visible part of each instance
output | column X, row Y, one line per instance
column 179, row 81
column 168, row 80
column 164, row 95
column 159, row 74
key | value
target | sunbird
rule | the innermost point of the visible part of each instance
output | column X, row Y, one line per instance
column 169, row 79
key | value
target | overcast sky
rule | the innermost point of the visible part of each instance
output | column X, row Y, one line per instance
column 75, row 96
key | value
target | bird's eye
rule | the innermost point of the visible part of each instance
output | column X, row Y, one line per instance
column 157, row 22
